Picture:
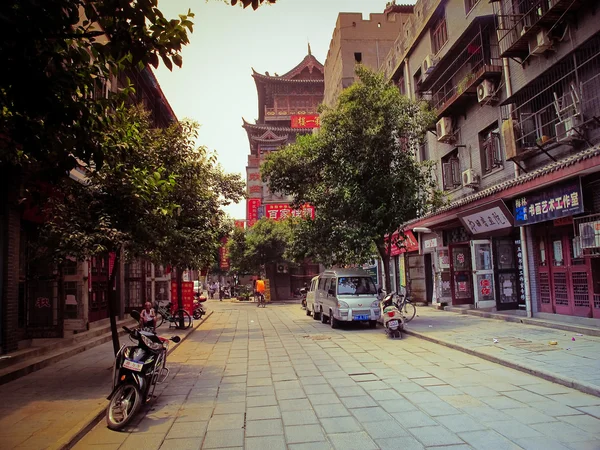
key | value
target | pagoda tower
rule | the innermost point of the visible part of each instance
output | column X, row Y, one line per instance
column 287, row 107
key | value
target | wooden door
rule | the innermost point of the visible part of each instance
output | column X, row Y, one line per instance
column 461, row 274
column 559, row 261
column 507, row 275
column 580, row 279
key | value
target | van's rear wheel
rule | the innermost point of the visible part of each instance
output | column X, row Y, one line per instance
column 316, row 314
column 323, row 317
column 307, row 310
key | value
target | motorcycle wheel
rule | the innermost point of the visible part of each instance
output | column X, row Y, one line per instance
column 123, row 405
column 198, row 313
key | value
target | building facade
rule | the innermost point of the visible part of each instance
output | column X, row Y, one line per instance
column 41, row 300
column 287, row 107
column 516, row 89
column 358, row 41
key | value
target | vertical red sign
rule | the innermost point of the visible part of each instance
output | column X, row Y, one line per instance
column 252, row 205
column 187, row 293
column 224, row 255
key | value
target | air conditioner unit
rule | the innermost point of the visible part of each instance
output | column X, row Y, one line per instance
column 428, row 64
column 485, row 92
column 566, row 130
column 444, row 130
column 540, row 43
column 282, row 268
column 469, row 178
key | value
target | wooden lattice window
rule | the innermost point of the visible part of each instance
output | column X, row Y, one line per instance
column 451, row 171
column 470, row 4
column 491, row 151
column 439, row 34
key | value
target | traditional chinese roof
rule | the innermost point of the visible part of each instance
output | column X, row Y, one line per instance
column 269, row 138
column 592, row 152
column 264, row 127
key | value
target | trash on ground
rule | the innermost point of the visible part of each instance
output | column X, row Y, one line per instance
column 430, row 326
column 553, row 343
column 572, row 338
column 579, row 334
column 568, row 348
column 495, row 341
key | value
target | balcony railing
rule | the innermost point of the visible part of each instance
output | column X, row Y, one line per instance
column 271, row 113
column 478, row 60
column 520, row 21
column 561, row 106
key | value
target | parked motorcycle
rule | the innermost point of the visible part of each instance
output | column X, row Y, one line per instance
column 137, row 370
column 303, row 292
column 393, row 320
column 199, row 310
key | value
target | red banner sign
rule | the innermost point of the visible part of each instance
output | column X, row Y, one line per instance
column 306, row 121
column 240, row 224
column 282, row 211
column 409, row 244
column 252, row 205
column 224, row 255
column 187, row 293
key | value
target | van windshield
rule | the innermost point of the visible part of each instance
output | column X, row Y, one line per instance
column 356, row 286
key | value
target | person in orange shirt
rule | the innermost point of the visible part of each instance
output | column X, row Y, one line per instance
column 260, row 289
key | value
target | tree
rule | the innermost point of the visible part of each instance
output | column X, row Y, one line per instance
column 359, row 171
column 255, row 3
column 261, row 246
column 58, row 56
column 156, row 196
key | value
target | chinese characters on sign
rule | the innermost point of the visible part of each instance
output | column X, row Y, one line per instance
column 223, row 255
column 521, row 272
column 240, row 224
column 306, row 121
column 252, row 205
column 557, row 201
column 404, row 243
column 187, row 293
column 280, row 211
column 492, row 217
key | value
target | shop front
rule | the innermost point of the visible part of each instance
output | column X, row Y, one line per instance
column 564, row 273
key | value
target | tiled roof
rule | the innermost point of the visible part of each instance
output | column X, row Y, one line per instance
column 549, row 168
column 261, row 77
column 263, row 127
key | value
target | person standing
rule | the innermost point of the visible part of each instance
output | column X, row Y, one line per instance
column 260, row 289
column 218, row 289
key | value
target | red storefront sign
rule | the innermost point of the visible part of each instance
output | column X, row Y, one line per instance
column 240, row 224
column 187, row 294
column 224, row 255
column 280, row 211
column 402, row 244
column 252, row 205
column 306, row 121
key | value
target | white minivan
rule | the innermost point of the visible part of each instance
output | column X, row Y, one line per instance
column 346, row 295
column 311, row 297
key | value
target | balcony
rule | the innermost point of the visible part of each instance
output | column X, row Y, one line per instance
column 559, row 108
column 455, row 78
column 283, row 113
column 520, row 21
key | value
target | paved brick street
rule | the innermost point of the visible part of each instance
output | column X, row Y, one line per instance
column 273, row 379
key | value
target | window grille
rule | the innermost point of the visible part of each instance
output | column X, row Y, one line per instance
column 451, row 172
column 491, row 152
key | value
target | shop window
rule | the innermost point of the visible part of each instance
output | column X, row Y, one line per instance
column 358, row 57
column 69, row 266
column 557, row 252
column 491, row 152
column 70, row 291
column 542, row 252
column 439, row 34
column 451, row 171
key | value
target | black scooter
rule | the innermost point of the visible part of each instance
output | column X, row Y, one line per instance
column 137, row 370
column 199, row 310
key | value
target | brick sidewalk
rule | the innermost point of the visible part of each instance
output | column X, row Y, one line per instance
column 47, row 408
column 526, row 347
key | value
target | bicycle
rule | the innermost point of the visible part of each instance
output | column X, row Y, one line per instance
column 261, row 300
column 407, row 309
column 181, row 316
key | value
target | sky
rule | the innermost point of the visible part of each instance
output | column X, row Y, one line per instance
column 215, row 85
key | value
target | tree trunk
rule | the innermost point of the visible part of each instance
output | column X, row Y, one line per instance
column 112, row 294
column 180, row 294
column 384, row 252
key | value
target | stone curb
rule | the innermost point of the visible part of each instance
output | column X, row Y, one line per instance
column 546, row 375
column 590, row 331
column 76, row 433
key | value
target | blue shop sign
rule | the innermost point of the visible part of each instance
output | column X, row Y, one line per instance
column 559, row 200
